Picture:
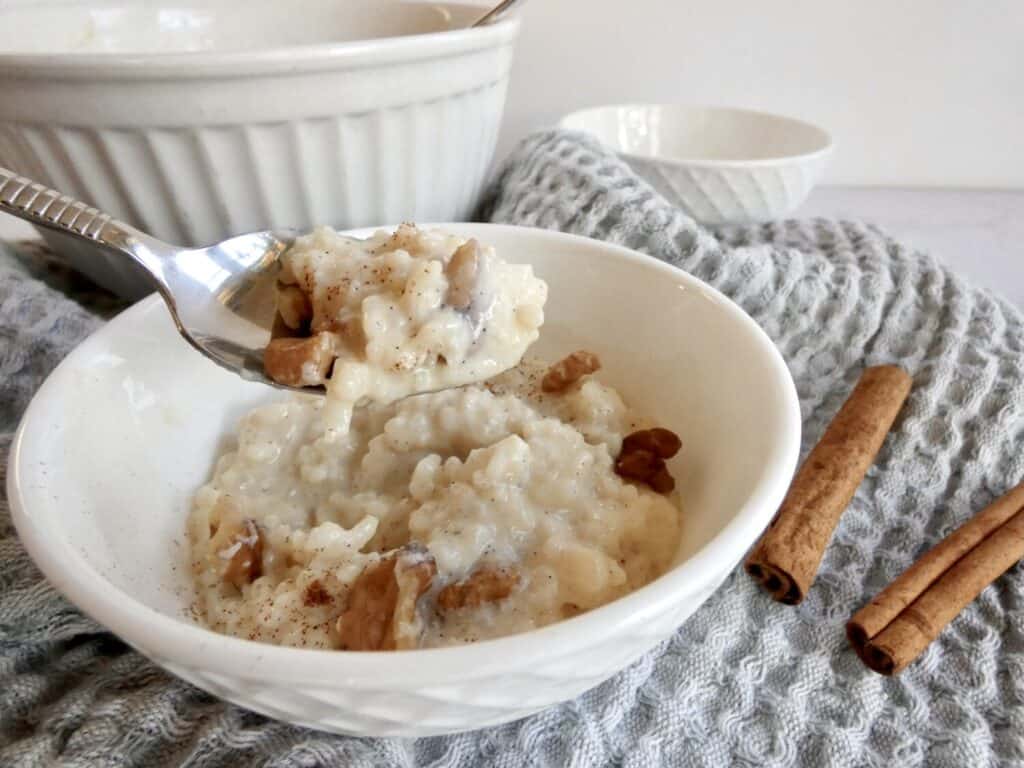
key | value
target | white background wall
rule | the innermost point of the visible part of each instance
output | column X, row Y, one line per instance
column 916, row 92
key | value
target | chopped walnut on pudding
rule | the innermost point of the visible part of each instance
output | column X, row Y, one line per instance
column 643, row 456
column 301, row 362
column 486, row 585
column 381, row 613
column 238, row 544
column 569, row 370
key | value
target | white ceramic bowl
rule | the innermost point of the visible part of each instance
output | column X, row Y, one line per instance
column 723, row 166
column 200, row 120
column 117, row 440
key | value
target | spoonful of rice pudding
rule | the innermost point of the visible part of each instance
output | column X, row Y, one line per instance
column 398, row 314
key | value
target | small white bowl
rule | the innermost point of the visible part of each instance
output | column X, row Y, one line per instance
column 118, row 439
column 203, row 120
column 723, row 166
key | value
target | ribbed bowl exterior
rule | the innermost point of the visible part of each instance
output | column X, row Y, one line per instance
column 197, row 159
column 197, row 184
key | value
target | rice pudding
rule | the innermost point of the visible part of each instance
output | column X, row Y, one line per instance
column 509, row 503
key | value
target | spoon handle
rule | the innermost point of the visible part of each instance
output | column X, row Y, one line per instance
column 38, row 204
column 34, row 202
column 496, row 13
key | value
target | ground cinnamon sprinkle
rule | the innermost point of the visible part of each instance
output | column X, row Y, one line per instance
column 569, row 370
column 786, row 559
column 316, row 594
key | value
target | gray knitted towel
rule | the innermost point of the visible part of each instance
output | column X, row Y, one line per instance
column 746, row 681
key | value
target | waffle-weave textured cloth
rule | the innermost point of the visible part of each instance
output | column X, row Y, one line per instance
column 745, row 681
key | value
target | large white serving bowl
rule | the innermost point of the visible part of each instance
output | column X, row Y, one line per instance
column 202, row 119
column 721, row 165
column 120, row 436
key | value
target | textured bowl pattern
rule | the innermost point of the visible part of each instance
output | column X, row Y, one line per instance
column 418, row 711
column 721, row 165
column 733, row 195
column 486, row 700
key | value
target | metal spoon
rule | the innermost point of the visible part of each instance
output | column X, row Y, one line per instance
column 496, row 13
column 222, row 298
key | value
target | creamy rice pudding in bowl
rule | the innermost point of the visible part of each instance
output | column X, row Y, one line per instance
column 506, row 495
column 400, row 557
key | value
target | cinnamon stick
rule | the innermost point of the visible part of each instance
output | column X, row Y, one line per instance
column 786, row 559
column 893, row 629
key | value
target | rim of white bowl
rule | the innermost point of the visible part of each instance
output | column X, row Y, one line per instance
column 291, row 59
column 824, row 151
column 176, row 641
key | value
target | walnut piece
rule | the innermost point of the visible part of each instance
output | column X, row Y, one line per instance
column 301, row 362
column 638, row 464
column 381, row 612
column 244, row 554
column 660, row 441
column 643, row 456
column 294, row 307
column 296, row 356
column 461, row 272
column 486, row 585
column 662, row 481
column 568, row 371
